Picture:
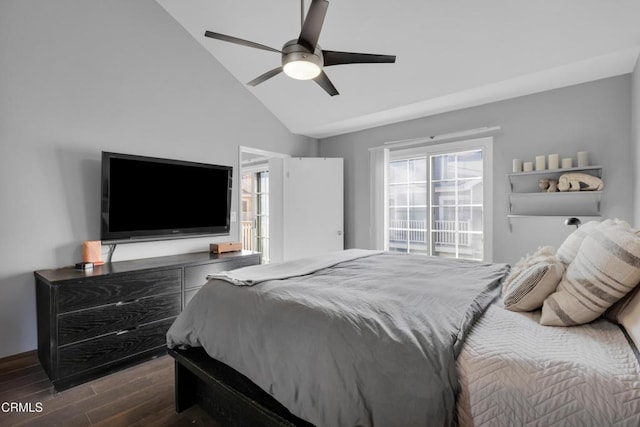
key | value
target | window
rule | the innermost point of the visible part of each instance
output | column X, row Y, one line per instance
column 255, row 211
column 439, row 200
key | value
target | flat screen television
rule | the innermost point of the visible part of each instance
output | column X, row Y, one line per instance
column 147, row 198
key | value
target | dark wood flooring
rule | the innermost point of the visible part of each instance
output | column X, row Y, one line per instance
column 138, row 396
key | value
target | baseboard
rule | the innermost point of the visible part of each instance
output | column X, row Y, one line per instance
column 19, row 361
column 30, row 353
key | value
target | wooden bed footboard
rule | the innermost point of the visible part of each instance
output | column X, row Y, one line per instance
column 224, row 393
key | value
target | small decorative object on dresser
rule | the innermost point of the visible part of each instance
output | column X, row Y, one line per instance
column 553, row 186
column 554, row 161
column 567, row 163
column 93, row 322
column 92, row 252
column 218, row 248
column 541, row 162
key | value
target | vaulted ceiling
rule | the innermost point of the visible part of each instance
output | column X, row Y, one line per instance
column 450, row 54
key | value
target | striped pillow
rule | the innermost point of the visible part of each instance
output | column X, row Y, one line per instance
column 605, row 269
column 542, row 254
column 529, row 290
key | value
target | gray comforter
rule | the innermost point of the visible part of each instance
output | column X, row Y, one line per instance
column 370, row 341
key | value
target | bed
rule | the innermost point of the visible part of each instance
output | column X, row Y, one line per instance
column 513, row 371
column 353, row 339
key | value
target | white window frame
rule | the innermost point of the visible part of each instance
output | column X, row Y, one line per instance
column 486, row 145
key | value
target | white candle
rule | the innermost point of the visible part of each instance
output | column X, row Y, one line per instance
column 554, row 161
column 541, row 162
column 583, row 159
column 517, row 165
column 567, row 163
column 527, row 166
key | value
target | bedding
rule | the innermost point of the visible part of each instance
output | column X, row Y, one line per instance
column 569, row 249
column 605, row 269
column 626, row 313
column 533, row 286
column 514, row 371
column 544, row 254
column 366, row 341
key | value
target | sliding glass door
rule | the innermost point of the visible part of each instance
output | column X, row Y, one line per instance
column 408, row 228
column 437, row 201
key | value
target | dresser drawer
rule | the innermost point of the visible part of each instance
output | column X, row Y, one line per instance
column 84, row 324
column 75, row 358
column 97, row 291
column 196, row 276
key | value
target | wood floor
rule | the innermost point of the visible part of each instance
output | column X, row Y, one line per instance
column 138, row 396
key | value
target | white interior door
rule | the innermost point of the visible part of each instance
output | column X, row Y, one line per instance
column 307, row 205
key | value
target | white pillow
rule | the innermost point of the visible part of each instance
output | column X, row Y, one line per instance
column 569, row 248
column 605, row 269
column 529, row 290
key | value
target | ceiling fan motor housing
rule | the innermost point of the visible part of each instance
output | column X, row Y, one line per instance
column 293, row 51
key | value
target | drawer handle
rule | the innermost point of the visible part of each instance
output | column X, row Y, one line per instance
column 121, row 303
column 125, row 331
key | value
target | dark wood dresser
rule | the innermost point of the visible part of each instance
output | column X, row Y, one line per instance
column 94, row 322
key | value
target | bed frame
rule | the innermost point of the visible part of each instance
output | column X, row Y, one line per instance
column 226, row 395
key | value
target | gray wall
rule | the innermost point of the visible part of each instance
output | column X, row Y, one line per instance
column 79, row 77
column 635, row 123
column 593, row 116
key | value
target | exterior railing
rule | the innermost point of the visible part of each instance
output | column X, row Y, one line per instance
column 444, row 232
column 247, row 235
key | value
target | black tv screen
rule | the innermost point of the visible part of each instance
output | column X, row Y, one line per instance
column 147, row 198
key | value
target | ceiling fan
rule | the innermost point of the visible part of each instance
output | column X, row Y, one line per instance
column 302, row 58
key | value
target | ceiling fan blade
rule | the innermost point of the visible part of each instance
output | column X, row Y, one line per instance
column 332, row 57
column 241, row 42
column 325, row 83
column 265, row 76
column 313, row 24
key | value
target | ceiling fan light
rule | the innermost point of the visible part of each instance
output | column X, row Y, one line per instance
column 301, row 70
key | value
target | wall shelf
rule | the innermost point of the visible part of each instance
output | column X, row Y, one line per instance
column 589, row 217
column 527, row 182
column 597, row 169
column 527, row 200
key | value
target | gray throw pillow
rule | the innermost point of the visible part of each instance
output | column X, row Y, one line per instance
column 529, row 290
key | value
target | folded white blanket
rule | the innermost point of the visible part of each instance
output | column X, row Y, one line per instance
column 252, row 275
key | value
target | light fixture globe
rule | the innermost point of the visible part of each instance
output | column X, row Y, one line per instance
column 301, row 69
column 299, row 63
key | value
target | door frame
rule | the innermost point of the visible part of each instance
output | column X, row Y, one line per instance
column 263, row 156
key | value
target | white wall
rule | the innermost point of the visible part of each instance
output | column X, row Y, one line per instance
column 78, row 77
column 592, row 116
column 635, row 123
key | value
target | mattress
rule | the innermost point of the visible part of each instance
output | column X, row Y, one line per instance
column 514, row 371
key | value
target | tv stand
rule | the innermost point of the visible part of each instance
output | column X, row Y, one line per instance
column 93, row 322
